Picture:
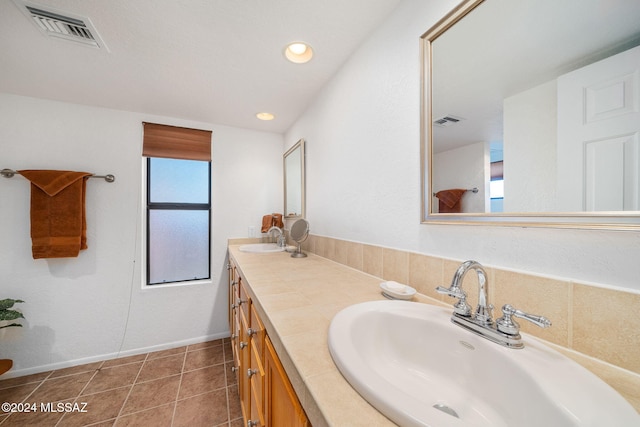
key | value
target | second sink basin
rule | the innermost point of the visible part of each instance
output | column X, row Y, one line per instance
column 416, row 367
column 261, row 248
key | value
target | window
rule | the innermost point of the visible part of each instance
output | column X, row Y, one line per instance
column 178, row 232
column 496, row 186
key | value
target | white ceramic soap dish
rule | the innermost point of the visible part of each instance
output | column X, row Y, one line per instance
column 395, row 290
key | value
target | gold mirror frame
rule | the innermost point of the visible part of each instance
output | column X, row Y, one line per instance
column 298, row 147
column 578, row 220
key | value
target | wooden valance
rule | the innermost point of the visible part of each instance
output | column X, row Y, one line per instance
column 176, row 142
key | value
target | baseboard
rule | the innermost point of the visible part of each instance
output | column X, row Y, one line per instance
column 108, row 356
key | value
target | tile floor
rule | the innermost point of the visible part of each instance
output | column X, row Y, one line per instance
column 186, row 386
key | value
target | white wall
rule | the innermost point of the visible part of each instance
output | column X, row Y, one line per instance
column 530, row 146
column 363, row 170
column 464, row 167
column 93, row 306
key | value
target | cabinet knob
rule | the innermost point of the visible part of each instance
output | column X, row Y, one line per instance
column 233, row 336
column 251, row 332
column 252, row 423
column 251, row 372
column 243, row 345
column 235, row 282
column 234, row 369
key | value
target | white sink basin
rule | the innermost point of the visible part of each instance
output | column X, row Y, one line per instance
column 261, row 248
column 407, row 360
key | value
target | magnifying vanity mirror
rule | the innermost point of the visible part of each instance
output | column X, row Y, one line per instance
column 299, row 233
column 294, row 197
column 535, row 105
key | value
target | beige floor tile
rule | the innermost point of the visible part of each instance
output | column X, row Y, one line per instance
column 99, row 407
column 152, row 393
column 12, row 382
column 118, row 376
column 157, row 417
column 167, row 352
column 235, row 410
column 160, row 368
column 56, row 389
column 202, row 345
column 202, row 380
column 90, row 367
column 32, row 419
column 204, row 357
column 124, row 360
column 202, row 410
column 18, row 393
column 140, row 390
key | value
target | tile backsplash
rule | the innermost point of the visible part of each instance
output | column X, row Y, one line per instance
column 597, row 326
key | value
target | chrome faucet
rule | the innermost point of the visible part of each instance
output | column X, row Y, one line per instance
column 505, row 331
column 282, row 241
column 483, row 310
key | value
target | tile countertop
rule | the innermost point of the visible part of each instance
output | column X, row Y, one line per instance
column 296, row 298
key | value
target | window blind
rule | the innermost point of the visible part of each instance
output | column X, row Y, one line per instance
column 176, row 142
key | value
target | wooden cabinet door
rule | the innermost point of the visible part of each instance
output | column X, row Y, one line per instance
column 234, row 318
column 244, row 385
column 281, row 405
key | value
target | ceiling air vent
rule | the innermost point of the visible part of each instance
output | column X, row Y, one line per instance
column 446, row 121
column 62, row 25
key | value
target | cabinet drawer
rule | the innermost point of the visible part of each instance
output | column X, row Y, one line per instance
column 257, row 415
column 256, row 372
column 257, row 333
column 244, row 301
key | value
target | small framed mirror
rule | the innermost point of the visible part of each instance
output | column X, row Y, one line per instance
column 294, row 198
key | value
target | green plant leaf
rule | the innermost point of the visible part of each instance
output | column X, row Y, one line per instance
column 10, row 315
column 8, row 303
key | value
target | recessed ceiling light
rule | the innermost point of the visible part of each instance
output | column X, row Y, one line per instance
column 298, row 52
column 265, row 116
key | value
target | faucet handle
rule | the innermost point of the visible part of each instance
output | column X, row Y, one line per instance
column 461, row 307
column 452, row 292
column 509, row 326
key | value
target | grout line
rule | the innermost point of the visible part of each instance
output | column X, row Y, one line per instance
column 226, row 381
column 75, row 399
column 175, row 402
column 145, row 360
column 131, row 386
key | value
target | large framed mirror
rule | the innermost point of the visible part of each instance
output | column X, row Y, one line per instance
column 294, row 177
column 531, row 114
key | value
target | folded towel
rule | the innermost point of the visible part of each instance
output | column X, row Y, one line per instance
column 449, row 200
column 277, row 220
column 58, row 222
column 267, row 220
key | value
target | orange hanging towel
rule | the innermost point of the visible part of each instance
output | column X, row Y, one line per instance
column 277, row 220
column 267, row 220
column 58, row 222
column 449, row 200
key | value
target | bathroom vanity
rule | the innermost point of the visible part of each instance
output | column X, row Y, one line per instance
column 266, row 395
column 281, row 313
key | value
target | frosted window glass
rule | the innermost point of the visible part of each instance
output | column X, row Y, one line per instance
column 178, row 181
column 178, row 245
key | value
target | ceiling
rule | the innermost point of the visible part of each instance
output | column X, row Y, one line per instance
column 216, row 61
column 521, row 45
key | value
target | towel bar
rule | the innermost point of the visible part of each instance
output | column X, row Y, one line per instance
column 473, row 190
column 9, row 173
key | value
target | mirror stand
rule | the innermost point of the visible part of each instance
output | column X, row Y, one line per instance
column 299, row 233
